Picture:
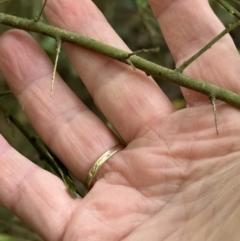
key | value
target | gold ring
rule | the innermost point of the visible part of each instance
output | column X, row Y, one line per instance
column 96, row 166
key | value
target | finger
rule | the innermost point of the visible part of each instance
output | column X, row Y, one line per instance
column 128, row 99
column 31, row 192
column 74, row 134
column 186, row 31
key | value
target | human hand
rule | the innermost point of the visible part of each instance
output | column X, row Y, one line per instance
column 175, row 180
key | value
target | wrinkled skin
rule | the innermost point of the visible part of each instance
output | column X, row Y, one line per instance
column 175, row 180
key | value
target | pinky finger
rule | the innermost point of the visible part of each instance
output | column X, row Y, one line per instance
column 31, row 192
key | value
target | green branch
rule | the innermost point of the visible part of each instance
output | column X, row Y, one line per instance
column 208, row 46
column 123, row 56
column 229, row 8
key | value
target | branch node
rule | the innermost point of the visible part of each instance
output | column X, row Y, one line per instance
column 153, row 50
column 213, row 102
column 58, row 50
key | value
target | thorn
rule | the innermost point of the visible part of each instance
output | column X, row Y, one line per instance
column 213, row 99
column 153, row 50
column 130, row 63
column 40, row 14
column 58, row 50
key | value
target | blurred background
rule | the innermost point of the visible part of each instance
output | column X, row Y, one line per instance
column 134, row 22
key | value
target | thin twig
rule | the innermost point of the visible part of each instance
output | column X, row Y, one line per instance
column 229, row 8
column 153, row 50
column 207, row 46
column 43, row 151
column 121, row 55
column 235, row 1
column 128, row 60
column 41, row 12
column 58, row 50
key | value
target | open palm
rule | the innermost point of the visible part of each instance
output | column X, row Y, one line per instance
column 175, row 180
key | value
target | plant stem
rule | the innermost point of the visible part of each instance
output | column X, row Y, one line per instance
column 208, row 46
column 43, row 151
column 229, row 8
column 148, row 67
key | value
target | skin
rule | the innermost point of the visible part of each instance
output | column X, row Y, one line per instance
column 175, row 180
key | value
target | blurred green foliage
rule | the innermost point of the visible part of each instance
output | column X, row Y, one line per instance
column 135, row 23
